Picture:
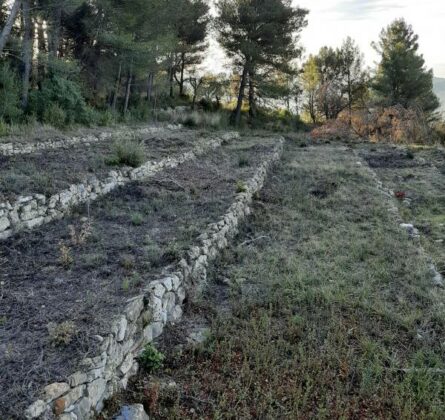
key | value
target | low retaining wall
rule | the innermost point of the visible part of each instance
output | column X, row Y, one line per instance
column 83, row 393
column 408, row 227
column 10, row 149
column 35, row 210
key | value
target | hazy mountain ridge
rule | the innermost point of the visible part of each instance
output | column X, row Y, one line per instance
column 439, row 90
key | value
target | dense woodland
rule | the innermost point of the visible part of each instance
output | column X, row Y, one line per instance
column 65, row 62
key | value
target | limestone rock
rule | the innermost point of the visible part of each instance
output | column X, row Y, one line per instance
column 132, row 412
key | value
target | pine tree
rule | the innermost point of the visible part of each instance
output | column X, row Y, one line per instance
column 402, row 77
column 259, row 35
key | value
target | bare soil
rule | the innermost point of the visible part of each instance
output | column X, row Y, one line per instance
column 50, row 171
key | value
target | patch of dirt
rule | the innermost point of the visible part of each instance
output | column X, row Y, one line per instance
column 50, row 171
column 72, row 271
column 389, row 158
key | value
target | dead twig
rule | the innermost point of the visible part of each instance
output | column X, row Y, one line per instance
column 250, row 241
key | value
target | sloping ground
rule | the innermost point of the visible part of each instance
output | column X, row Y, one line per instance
column 324, row 308
column 418, row 176
column 50, row 171
column 62, row 283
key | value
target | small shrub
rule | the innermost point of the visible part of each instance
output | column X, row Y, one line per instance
column 127, row 262
column 54, row 115
column 131, row 282
column 151, row 359
column 65, row 257
column 80, row 236
column 106, row 118
column 137, row 219
column 127, row 153
column 9, row 95
column 61, row 334
column 240, row 187
column 4, row 129
column 152, row 252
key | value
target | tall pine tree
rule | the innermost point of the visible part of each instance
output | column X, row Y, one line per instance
column 402, row 77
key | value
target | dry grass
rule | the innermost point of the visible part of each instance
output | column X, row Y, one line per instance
column 332, row 310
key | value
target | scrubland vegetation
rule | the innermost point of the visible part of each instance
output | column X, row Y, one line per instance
column 101, row 62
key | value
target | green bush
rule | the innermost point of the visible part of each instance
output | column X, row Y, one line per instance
column 54, row 115
column 64, row 93
column 9, row 95
column 151, row 359
column 4, row 129
column 128, row 153
column 106, row 118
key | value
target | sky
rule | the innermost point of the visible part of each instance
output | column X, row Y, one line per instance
column 331, row 21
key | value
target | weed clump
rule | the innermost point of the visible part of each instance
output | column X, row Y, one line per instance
column 61, row 334
column 151, row 359
column 127, row 153
column 65, row 256
column 240, row 187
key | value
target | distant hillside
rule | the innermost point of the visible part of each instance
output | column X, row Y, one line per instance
column 439, row 90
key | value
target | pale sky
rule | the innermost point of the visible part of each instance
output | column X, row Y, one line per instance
column 331, row 21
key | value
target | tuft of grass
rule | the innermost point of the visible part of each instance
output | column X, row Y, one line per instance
column 137, row 219
column 127, row 153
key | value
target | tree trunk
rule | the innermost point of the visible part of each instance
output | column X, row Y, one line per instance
column 181, row 80
column 350, row 99
column 54, row 39
column 8, row 26
column 26, row 51
column 116, row 88
column 236, row 116
column 41, row 44
column 171, row 80
column 252, row 110
column 128, row 90
column 150, row 87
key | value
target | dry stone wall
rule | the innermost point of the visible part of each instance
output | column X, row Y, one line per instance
column 144, row 318
column 10, row 149
column 35, row 210
column 412, row 231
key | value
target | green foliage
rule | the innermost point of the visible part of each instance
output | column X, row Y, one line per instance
column 9, row 95
column 54, row 115
column 137, row 219
column 334, row 80
column 240, row 186
column 4, row 129
column 401, row 75
column 128, row 153
column 151, row 359
column 63, row 93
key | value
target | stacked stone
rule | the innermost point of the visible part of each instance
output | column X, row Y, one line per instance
column 10, row 149
column 35, row 210
column 144, row 319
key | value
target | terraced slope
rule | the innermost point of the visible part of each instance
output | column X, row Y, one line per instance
column 324, row 308
column 63, row 283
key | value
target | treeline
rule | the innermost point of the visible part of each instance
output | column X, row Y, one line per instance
column 90, row 62
column 336, row 80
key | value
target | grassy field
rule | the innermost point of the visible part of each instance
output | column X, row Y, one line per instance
column 323, row 308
